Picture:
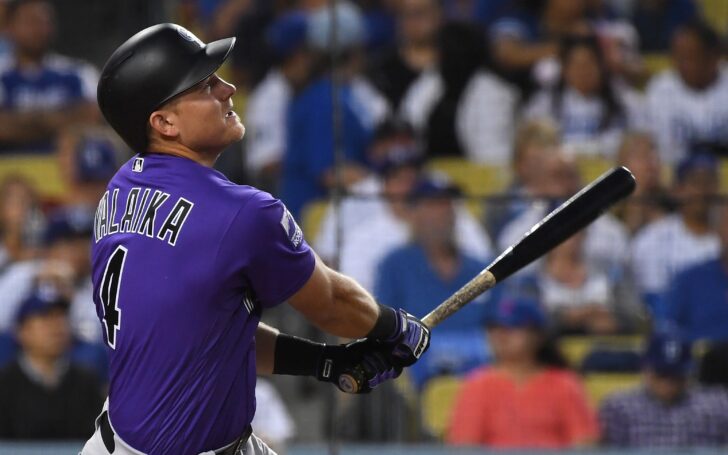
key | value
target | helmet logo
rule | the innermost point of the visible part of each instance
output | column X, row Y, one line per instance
column 189, row 36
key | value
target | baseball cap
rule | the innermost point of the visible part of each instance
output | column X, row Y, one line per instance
column 696, row 161
column 69, row 223
column 287, row 33
column 434, row 186
column 95, row 159
column 668, row 354
column 350, row 30
column 39, row 302
column 516, row 313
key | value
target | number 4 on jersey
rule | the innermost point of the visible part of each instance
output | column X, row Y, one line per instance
column 109, row 294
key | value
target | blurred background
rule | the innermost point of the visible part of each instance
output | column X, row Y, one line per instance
column 414, row 140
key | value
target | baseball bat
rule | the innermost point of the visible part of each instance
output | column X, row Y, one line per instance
column 570, row 217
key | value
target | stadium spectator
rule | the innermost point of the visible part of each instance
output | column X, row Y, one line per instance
column 88, row 158
column 606, row 243
column 41, row 93
column 698, row 298
column 531, row 34
column 68, row 242
column 580, row 297
column 649, row 202
column 42, row 394
column 666, row 410
column 534, row 142
column 527, row 398
column 669, row 245
column 421, row 274
column 461, row 109
column 657, row 20
column 265, row 118
column 22, row 225
column 309, row 157
column 688, row 105
column 273, row 423
column 374, row 218
column 418, row 22
column 592, row 110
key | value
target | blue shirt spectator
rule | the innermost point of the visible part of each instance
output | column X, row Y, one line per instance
column 419, row 276
column 406, row 279
column 698, row 298
column 310, row 149
column 40, row 92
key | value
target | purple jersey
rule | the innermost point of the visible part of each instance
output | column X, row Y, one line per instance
column 184, row 261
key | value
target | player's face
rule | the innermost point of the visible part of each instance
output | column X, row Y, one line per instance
column 205, row 118
column 697, row 67
column 582, row 71
column 47, row 335
column 32, row 27
column 666, row 389
column 433, row 222
column 513, row 343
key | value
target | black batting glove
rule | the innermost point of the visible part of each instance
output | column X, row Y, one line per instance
column 357, row 367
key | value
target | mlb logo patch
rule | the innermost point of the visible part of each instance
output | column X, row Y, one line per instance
column 138, row 165
column 293, row 232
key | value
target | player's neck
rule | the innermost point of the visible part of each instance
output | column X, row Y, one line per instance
column 206, row 159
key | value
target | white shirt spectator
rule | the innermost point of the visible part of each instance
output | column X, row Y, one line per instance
column 16, row 283
column 606, row 244
column 485, row 119
column 666, row 247
column 580, row 118
column 596, row 290
column 265, row 120
column 370, row 231
column 272, row 421
column 680, row 115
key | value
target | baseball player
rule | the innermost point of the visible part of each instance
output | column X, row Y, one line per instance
column 184, row 263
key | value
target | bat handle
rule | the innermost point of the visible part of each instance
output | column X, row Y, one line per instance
column 353, row 380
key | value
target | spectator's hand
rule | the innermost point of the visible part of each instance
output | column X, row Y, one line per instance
column 410, row 340
column 365, row 363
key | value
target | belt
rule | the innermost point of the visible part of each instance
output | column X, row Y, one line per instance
column 234, row 448
column 237, row 446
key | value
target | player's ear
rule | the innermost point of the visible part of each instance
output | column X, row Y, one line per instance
column 164, row 122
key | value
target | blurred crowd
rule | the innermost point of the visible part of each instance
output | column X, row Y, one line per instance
column 400, row 109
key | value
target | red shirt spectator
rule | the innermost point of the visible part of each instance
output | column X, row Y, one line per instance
column 527, row 399
column 548, row 410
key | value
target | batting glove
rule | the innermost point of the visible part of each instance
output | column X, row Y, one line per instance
column 357, row 367
column 410, row 340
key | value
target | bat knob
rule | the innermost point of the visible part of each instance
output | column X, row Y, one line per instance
column 352, row 381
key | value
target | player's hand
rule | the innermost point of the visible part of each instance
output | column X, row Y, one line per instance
column 410, row 340
column 359, row 366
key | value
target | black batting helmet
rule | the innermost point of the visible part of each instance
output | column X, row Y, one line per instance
column 149, row 69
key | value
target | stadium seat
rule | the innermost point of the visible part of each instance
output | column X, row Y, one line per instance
column 41, row 170
column 576, row 348
column 476, row 180
column 724, row 176
column 600, row 385
column 592, row 167
column 656, row 63
column 716, row 13
column 311, row 218
column 438, row 398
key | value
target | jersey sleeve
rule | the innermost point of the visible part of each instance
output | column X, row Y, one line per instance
column 278, row 261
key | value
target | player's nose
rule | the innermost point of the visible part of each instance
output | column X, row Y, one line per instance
column 226, row 89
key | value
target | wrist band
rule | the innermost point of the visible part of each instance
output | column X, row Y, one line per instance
column 296, row 356
column 387, row 325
